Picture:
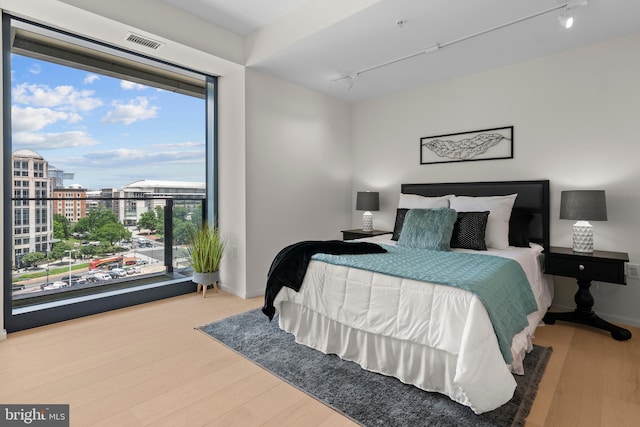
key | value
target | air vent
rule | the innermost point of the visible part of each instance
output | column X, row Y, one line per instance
column 142, row 41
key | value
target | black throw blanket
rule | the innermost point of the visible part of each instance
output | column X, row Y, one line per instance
column 290, row 265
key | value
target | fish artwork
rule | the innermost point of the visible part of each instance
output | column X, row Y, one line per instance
column 465, row 148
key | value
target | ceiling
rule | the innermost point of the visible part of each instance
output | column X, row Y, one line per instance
column 242, row 17
column 372, row 36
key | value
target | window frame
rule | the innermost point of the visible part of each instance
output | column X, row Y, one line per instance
column 47, row 313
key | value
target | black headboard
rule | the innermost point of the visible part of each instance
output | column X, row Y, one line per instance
column 533, row 196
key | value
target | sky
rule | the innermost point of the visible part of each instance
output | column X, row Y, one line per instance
column 108, row 132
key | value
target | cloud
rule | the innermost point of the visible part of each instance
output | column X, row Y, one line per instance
column 32, row 119
column 118, row 154
column 91, row 78
column 127, row 85
column 188, row 144
column 130, row 112
column 123, row 157
column 48, row 141
column 35, row 69
column 63, row 97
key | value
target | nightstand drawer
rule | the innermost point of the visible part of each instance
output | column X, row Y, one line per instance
column 346, row 235
column 359, row 234
column 586, row 269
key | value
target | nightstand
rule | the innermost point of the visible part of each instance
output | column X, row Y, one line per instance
column 359, row 234
column 601, row 266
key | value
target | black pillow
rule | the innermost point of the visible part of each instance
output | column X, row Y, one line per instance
column 469, row 230
column 519, row 228
column 397, row 228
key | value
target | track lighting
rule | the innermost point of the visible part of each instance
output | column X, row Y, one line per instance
column 565, row 19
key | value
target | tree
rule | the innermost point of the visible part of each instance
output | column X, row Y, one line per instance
column 31, row 258
column 149, row 220
column 160, row 215
column 181, row 230
column 88, row 250
column 183, row 220
column 111, row 233
column 95, row 219
column 180, row 212
column 59, row 250
column 61, row 227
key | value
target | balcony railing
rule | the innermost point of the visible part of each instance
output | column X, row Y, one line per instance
column 89, row 264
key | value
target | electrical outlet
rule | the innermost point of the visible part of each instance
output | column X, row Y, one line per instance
column 633, row 271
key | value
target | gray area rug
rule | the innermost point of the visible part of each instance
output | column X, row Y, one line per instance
column 368, row 398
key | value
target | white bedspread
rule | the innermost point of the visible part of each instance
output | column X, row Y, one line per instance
column 436, row 337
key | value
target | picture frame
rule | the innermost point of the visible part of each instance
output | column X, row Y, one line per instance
column 484, row 144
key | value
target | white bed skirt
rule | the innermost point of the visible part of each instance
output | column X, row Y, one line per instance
column 425, row 367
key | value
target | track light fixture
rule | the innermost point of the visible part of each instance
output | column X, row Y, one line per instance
column 565, row 19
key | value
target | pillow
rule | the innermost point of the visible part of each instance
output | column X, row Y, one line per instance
column 414, row 201
column 469, row 231
column 428, row 229
column 519, row 228
column 499, row 207
column 397, row 228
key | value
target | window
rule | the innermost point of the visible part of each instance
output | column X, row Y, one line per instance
column 136, row 135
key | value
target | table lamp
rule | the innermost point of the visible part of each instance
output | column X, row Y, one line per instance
column 367, row 201
column 583, row 206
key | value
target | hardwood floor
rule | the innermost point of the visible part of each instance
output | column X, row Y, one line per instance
column 147, row 365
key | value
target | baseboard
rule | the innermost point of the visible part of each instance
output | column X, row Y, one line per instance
column 229, row 290
column 237, row 293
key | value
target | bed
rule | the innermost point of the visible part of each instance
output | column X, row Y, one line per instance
column 439, row 338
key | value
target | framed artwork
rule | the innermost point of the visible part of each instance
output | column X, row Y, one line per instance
column 485, row 144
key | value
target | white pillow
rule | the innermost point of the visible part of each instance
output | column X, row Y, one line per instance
column 414, row 201
column 499, row 207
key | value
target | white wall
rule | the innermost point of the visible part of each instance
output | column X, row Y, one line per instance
column 576, row 123
column 298, row 170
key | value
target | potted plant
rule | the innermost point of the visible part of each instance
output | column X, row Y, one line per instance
column 205, row 247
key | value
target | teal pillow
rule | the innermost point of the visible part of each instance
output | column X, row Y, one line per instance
column 428, row 229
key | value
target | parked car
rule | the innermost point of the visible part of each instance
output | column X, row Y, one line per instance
column 17, row 287
column 74, row 280
column 54, row 285
column 116, row 273
column 90, row 278
column 133, row 270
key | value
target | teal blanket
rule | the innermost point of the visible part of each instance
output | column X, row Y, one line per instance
column 500, row 283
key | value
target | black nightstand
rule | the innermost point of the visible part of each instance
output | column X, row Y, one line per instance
column 359, row 234
column 601, row 266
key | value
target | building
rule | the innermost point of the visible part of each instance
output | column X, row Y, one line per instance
column 132, row 200
column 32, row 211
column 70, row 202
column 58, row 176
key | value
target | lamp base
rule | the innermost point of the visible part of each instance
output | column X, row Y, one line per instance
column 583, row 237
column 367, row 221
